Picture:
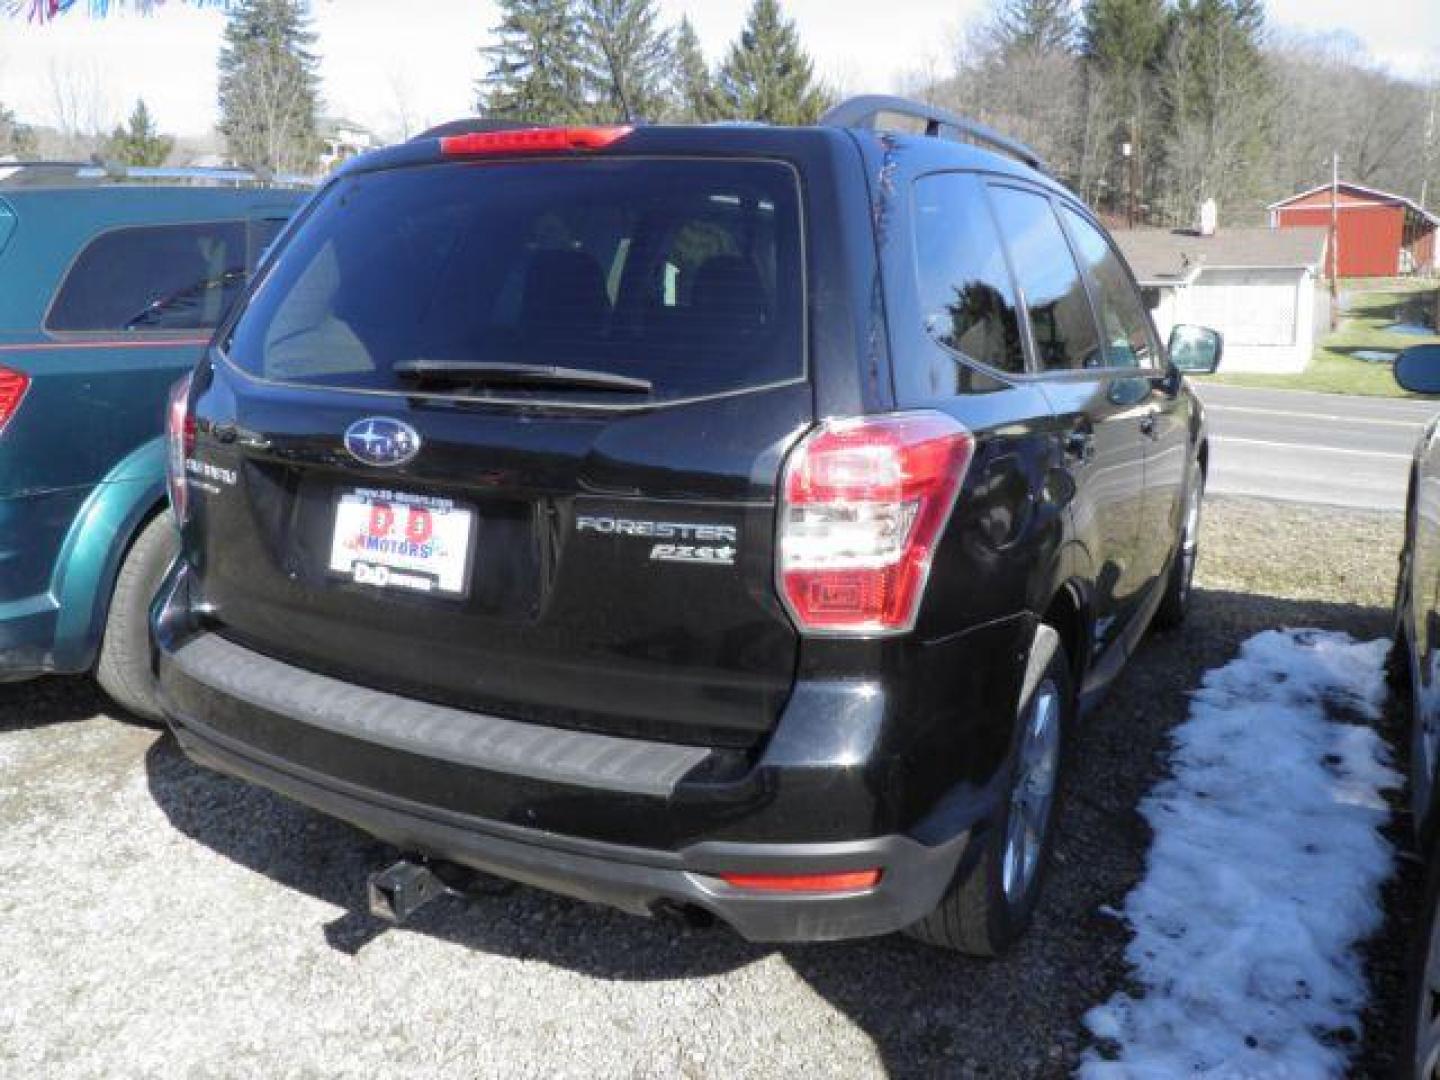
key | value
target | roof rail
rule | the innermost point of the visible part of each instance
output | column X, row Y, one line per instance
column 111, row 171
column 76, row 171
column 43, row 163
column 865, row 111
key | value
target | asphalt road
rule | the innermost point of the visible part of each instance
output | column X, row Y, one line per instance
column 1317, row 448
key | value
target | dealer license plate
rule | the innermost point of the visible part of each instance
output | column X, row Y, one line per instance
column 393, row 540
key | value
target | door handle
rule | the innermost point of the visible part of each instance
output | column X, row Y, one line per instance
column 227, row 432
column 1147, row 425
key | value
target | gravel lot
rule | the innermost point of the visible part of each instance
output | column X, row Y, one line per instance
column 161, row 920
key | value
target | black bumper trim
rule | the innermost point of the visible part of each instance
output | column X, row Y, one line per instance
column 491, row 743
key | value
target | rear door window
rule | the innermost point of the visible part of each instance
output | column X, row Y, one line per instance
column 1128, row 341
column 1060, row 316
column 686, row 274
column 966, row 296
column 153, row 278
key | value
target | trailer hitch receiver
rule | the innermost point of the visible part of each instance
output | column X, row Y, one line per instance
column 399, row 891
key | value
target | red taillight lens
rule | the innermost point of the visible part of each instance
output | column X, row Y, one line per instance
column 847, row 881
column 13, row 385
column 532, row 140
column 865, row 501
column 180, row 444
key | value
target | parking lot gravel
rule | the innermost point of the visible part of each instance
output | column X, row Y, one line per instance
column 157, row 919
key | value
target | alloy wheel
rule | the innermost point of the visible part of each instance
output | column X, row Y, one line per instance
column 1036, row 771
column 1190, row 537
column 1427, row 1015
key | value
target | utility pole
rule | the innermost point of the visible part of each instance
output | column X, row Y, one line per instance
column 1427, row 157
column 1334, row 240
column 1130, row 151
column 1135, row 212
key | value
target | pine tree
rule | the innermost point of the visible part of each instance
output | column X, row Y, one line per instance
column 1036, row 27
column 692, row 87
column 270, row 86
column 1124, row 36
column 1216, row 95
column 767, row 76
column 138, row 142
column 625, row 58
column 1122, row 42
column 535, row 66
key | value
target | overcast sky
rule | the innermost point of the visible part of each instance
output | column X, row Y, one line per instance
column 386, row 59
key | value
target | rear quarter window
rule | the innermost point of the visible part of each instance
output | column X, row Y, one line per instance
column 688, row 274
column 153, row 278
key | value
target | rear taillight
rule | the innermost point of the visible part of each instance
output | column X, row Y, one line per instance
column 13, row 385
column 532, row 140
column 865, row 502
column 180, row 444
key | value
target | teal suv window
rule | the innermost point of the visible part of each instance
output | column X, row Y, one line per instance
column 153, row 278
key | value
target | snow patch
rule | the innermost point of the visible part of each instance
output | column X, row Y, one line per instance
column 1264, row 872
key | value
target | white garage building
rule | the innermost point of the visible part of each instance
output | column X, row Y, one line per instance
column 1259, row 287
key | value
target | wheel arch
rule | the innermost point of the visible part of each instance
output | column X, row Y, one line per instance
column 1068, row 614
column 130, row 496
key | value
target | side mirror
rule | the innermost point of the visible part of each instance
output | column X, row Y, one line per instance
column 1196, row 349
column 1417, row 369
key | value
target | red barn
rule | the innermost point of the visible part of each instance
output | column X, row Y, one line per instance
column 1381, row 234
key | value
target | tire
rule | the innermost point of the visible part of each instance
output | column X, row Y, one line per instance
column 123, row 670
column 1420, row 1054
column 1176, row 602
column 1397, row 661
column 1420, row 730
column 990, row 903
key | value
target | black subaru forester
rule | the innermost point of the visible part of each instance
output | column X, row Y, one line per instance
column 728, row 520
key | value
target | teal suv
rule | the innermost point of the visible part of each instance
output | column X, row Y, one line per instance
column 111, row 283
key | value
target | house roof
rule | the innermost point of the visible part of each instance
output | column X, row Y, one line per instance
column 1361, row 189
column 330, row 124
column 1166, row 257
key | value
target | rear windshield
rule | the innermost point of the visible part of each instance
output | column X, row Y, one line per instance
column 683, row 274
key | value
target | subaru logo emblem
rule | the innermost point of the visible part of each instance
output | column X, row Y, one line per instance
column 379, row 440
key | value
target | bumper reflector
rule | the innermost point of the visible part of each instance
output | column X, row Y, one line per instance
column 847, row 881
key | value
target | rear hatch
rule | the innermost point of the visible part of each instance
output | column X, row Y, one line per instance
column 507, row 434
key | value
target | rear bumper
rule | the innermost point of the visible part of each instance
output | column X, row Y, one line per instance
column 27, row 637
column 624, row 822
column 59, row 554
column 635, row 880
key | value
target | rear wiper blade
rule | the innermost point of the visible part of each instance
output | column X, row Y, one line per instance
column 476, row 372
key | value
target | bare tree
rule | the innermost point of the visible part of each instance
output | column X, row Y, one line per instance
column 1332, row 99
column 80, row 108
column 1028, row 91
column 402, row 108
